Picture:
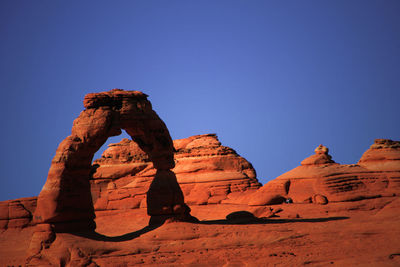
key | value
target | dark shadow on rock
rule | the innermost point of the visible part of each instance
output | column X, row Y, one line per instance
column 121, row 238
column 245, row 217
column 165, row 200
column 234, row 218
column 242, row 214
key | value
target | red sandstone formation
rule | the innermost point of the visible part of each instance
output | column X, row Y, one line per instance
column 207, row 172
column 348, row 233
column 17, row 213
column 383, row 155
column 357, row 222
column 319, row 179
column 65, row 200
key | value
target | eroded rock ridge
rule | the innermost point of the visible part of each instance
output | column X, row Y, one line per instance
column 319, row 179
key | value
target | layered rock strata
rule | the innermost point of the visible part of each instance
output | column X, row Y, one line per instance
column 17, row 213
column 320, row 180
column 207, row 172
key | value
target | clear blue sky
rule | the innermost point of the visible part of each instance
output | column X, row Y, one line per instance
column 272, row 78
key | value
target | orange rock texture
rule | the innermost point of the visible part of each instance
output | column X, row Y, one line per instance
column 131, row 206
column 17, row 213
column 65, row 201
column 207, row 172
column 320, row 180
column 353, row 226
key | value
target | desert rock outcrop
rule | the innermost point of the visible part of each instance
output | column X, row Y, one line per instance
column 383, row 155
column 17, row 213
column 357, row 203
column 65, row 200
column 207, row 172
column 319, row 179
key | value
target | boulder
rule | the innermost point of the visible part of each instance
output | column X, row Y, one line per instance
column 319, row 199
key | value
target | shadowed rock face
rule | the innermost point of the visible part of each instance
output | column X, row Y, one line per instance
column 65, row 200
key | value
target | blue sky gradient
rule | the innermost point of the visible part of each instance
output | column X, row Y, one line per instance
column 272, row 78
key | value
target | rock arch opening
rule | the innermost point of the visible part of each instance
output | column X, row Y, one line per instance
column 65, row 201
column 111, row 140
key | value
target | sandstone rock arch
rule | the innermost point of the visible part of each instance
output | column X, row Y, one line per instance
column 65, row 201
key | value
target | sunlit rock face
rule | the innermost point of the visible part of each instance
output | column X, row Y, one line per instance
column 319, row 179
column 327, row 200
column 207, row 172
column 383, row 155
